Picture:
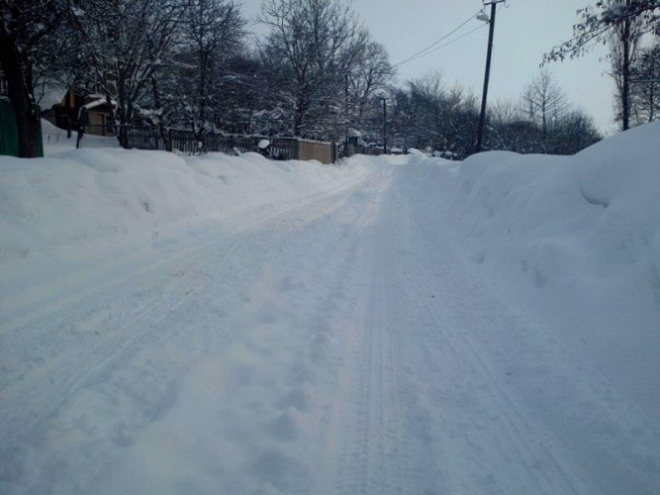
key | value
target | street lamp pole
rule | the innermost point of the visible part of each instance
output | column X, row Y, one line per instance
column 482, row 117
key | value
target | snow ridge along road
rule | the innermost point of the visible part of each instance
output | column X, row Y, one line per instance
column 342, row 346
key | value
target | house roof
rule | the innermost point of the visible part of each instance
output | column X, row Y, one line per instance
column 51, row 94
column 97, row 103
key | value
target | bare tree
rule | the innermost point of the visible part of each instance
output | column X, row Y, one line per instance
column 576, row 132
column 544, row 102
column 624, row 41
column 212, row 33
column 404, row 116
column 426, row 114
column 428, row 97
column 126, row 42
column 621, row 23
column 435, row 116
column 510, row 130
column 595, row 24
column 504, row 111
column 645, row 85
column 371, row 73
column 311, row 48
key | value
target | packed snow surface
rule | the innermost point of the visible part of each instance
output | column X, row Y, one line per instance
column 399, row 325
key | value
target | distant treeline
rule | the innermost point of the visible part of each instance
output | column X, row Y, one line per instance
column 316, row 73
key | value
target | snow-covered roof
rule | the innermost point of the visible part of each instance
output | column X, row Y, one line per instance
column 94, row 104
column 97, row 103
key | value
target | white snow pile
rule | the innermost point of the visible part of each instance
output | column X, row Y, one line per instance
column 58, row 140
column 62, row 207
column 575, row 238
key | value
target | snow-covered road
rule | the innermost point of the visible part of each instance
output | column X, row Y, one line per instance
column 344, row 345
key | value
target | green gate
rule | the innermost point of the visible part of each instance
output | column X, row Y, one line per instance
column 9, row 133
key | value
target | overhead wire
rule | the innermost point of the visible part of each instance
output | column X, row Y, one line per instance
column 457, row 39
column 435, row 43
column 430, row 49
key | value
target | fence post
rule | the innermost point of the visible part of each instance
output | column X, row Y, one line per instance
column 81, row 131
column 296, row 150
column 168, row 143
column 123, row 136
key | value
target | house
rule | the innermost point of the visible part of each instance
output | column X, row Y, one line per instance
column 68, row 109
column 98, row 114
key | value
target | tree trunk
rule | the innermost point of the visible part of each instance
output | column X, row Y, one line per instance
column 299, row 117
column 652, row 103
column 625, row 93
column 652, row 91
column 545, row 123
column 27, row 122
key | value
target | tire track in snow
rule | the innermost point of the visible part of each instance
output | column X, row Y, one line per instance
column 376, row 455
column 493, row 415
column 525, row 444
column 138, row 305
column 280, row 401
column 399, row 435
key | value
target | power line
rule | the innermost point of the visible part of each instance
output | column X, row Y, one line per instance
column 427, row 51
column 422, row 52
column 455, row 40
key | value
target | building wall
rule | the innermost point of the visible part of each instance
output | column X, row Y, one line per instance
column 96, row 123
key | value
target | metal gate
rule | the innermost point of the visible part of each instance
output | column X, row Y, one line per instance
column 9, row 132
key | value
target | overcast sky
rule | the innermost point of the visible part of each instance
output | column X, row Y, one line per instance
column 525, row 30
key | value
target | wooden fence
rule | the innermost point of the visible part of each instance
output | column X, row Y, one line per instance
column 316, row 150
column 184, row 141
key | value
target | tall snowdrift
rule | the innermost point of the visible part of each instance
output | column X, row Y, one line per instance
column 577, row 238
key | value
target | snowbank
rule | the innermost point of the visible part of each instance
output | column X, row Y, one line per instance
column 57, row 140
column 99, row 200
column 577, row 238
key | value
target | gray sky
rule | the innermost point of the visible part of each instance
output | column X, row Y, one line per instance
column 524, row 32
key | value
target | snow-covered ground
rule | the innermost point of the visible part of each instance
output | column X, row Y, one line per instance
column 230, row 325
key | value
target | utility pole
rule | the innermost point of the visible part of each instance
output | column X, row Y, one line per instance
column 384, row 126
column 484, row 98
